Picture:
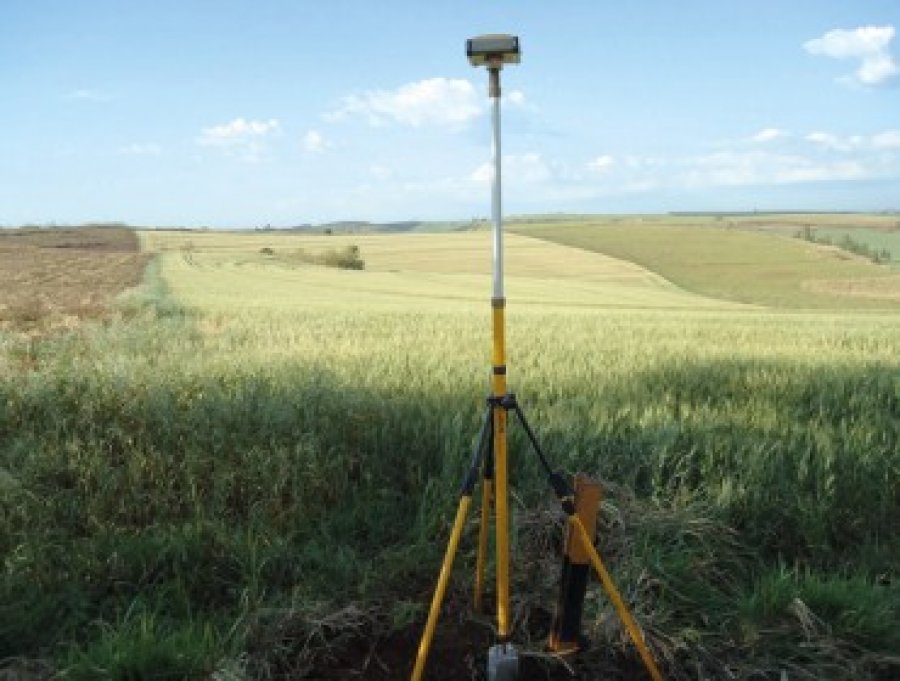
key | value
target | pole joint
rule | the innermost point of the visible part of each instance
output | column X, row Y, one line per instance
column 494, row 80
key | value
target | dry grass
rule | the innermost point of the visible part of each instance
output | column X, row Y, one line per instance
column 51, row 278
column 886, row 288
column 402, row 270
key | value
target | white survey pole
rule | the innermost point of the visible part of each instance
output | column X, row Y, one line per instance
column 496, row 204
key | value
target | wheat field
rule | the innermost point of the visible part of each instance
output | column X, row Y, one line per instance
column 256, row 445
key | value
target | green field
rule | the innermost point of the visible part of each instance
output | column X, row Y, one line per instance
column 873, row 238
column 739, row 264
column 250, row 470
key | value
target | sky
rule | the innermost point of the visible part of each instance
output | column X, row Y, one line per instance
column 239, row 113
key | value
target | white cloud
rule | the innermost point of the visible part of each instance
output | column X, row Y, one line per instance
column 380, row 172
column 539, row 181
column 87, row 95
column 534, row 181
column 831, row 142
column 889, row 139
column 434, row 101
column 141, row 149
column 601, row 164
column 237, row 131
column 877, row 69
column 530, row 168
column 314, row 142
column 768, row 134
column 723, row 168
column 240, row 137
column 734, row 169
column 518, row 169
column 644, row 162
column 515, row 98
column 483, row 174
column 886, row 140
column 858, row 42
column 784, row 160
column 869, row 44
column 800, row 169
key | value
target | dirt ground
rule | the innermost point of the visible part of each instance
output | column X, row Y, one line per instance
column 51, row 278
column 353, row 644
column 459, row 652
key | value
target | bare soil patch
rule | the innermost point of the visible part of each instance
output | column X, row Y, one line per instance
column 52, row 278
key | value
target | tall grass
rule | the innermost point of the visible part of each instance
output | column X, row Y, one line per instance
column 169, row 477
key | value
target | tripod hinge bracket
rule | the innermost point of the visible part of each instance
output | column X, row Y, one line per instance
column 507, row 401
column 563, row 491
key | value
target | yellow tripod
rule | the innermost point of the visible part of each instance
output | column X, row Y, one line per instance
column 502, row 659
column 493, row 51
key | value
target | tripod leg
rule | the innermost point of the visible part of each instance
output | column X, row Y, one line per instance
column 441, row 589
column 487, row 495
column 609, row 586
column 566, row 498
column 486, row 500
column 465, row 500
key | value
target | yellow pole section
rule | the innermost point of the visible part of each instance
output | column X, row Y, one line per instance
column 501, row 493
column 441, row 589
column 486, row 495
column 498, row 356
column 609, row 586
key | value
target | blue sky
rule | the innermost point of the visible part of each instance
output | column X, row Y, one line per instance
column 239, row 113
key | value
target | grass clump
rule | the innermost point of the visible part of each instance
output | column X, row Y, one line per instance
column 345, row 258
column 144, row 647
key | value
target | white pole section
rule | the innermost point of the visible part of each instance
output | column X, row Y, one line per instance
column 494, row 92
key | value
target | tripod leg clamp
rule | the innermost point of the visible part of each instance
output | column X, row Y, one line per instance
column 565, row 634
